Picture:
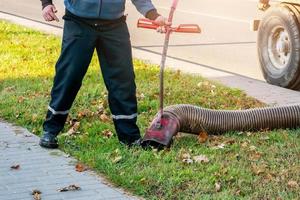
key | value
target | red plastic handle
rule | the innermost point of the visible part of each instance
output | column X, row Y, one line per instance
column 187, row 28
column 146, row 23
column 183, row 28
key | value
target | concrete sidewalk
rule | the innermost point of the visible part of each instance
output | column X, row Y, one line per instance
column 45, row 170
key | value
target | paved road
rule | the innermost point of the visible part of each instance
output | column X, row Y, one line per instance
column 226, row 43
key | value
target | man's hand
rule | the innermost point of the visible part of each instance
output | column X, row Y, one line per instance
column 49, row 13
column 162, row 22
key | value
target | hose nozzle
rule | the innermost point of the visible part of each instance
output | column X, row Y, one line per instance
column 161, row 136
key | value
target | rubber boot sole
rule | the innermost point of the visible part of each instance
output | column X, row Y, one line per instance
column 48, row 145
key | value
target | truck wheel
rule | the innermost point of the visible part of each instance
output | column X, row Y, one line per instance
column 279, row 47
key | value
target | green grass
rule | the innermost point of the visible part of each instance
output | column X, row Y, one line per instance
column 251, row 166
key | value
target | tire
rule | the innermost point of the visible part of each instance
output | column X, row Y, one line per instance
column 278, row 46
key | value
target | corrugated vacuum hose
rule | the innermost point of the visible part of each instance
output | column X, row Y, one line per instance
column 193, row 119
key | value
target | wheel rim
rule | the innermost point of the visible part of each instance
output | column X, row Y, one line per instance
column 279, row 48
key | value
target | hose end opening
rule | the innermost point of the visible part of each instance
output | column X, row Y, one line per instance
column 161, row 136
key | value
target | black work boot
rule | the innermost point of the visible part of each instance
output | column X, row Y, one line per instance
column 48, row 140
column 136, row 143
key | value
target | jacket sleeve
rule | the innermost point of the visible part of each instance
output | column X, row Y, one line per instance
column 46, row 3
column 146, row 8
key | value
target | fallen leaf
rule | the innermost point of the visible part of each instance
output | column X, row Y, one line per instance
column 36, row 194
column 74, row 129
column 230, row 142
column 187, row 161
column 201, row 159
column 100, row 109
column 140, row 96
column 21, row 99
column 69, row 188
column 202, row 137
column 200, row 84
column 265, row 138
column 143, row 180
column 252, row 148
column 268, row 178
column 255, row 156
column 206, row 83
column 9, row 89
column 15, row 167
column 34, row 117
column 218, row 187
column 258, row 170
column 80, row 168
column 185, row 156
column 117, row 159
column 104, row 118
column 220, row 146
column 244, row 144
column 107, row 133
column 249, row 134
column 293, row 184
column 238, row 192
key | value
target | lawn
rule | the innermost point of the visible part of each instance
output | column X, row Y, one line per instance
column 244, row 165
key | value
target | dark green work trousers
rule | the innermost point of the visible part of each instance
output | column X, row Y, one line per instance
column 112, row 42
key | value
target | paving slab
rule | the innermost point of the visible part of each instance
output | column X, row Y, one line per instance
column 45, row 170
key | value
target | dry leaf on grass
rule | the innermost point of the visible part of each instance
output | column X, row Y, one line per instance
column 293, row 184
column 21, row 99
column 84, row 113
column 220, row 146
column 238, row 192
column 230, row 142
column 15, row 167
column 252, row 148
column 187, row 161
column 201, row 159
column 107, row 134
column 258, row 170
column 69, row 188
column 36, row 194
column 74, row 129
column 244, row 144
column 34, row 117
column 218, row 187
column 104, row 118
column 117, row 159
column 186, row 158
column 80, row 168
column 203, row 136
column 255, row 156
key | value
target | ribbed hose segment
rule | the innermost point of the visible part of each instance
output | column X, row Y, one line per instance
column 193, row 119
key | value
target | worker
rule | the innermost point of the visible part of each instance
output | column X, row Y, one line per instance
column 100, row 25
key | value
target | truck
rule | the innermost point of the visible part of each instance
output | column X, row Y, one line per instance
column 278, row 42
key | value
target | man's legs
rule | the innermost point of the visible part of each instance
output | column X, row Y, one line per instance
column 114, row 52
column 77, row 49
